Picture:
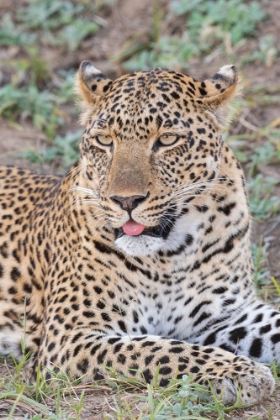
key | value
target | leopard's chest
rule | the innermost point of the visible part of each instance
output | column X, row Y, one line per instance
column 170, row 310
column 182, row 306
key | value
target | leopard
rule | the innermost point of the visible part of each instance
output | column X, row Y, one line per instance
column 138, row 260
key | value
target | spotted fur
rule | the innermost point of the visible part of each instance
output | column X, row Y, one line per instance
column 178, row 298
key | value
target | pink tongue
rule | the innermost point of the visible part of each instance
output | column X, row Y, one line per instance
column 133, row 228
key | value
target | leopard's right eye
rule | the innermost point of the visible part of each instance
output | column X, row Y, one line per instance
column 106, row 141
column 168, row 139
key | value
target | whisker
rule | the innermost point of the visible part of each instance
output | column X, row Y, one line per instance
column 84, row 190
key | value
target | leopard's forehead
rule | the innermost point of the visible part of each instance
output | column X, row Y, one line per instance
column 154, row 81
column 148, row 100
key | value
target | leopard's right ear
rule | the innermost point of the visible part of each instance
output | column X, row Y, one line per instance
column 90, row 83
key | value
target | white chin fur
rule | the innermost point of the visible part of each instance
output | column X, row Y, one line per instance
column 144, row 245
column 138, row 246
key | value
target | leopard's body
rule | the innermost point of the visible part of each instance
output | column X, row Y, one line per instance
column 87, row 287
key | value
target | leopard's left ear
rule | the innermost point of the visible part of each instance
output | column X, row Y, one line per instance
column 91, row 83
column 218, row 92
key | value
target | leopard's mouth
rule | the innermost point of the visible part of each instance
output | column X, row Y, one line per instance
column 161, row 230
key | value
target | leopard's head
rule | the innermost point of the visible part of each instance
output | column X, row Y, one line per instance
column 150, row 138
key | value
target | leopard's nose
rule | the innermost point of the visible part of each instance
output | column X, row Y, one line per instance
column 129, row 203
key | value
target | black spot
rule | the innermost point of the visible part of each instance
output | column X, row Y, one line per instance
column 176, row 350
column 175, row 95
column 121, row 359
column 97, row 376
column 237, row 334
column 106, row 317
column 77, row 350
column 143, row 330
column 256, row 348
column 122, row 326
column 46, row 255
column 182, row 367
column 163, row 360
column 148, row 344
column 201, row 131
column 219, row 290
column 164, row 382
column 227, row 209
column 113, row 340
column 133, row 369
column 275, row 338
column 265, row 329
column 135, row 317
column 101, row 356
column 210, row 339
column 76, row 337
column 12, row 290
column 15, row 274
column 117, row 348
column 27, row 288
column 97, row 289
column 51, row 346
column 147, row 375
column 198, row 307
column 202, row 209
column 94, row 349
column 188, row 239
column 194, row 369
column 228, row 302
column 165, row 370
column 149, row 358
column 258, row 318
column 83, row 366
column 202, row 318
column 241, row 319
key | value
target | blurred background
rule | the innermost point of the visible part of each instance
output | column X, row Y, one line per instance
column 43, row 42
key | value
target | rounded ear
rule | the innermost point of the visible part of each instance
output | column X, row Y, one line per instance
column 218, row 92
column 91, row 83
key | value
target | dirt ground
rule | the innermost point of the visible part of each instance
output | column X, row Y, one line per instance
column 122, row 21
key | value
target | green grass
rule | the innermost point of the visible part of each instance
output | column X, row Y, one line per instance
column 209, row 25
column 234, row 17
column 61, row 22
column 48, row 15
column 40, row 107
column 260, row 254
column 64, row 151
column 263, row 203
column 11, row 34
column 63, row 398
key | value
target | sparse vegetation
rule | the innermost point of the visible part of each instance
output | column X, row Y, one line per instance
column 208, row 25
column 64, row 151
column 36, row 89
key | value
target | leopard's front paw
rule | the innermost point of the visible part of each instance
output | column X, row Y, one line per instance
column 244, row 379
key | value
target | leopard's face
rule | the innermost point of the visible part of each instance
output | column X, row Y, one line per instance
column 151, row 142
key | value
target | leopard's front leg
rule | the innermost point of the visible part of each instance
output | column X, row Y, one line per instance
column 86, row 354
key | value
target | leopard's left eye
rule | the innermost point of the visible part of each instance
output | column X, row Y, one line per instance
column 167, row 139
